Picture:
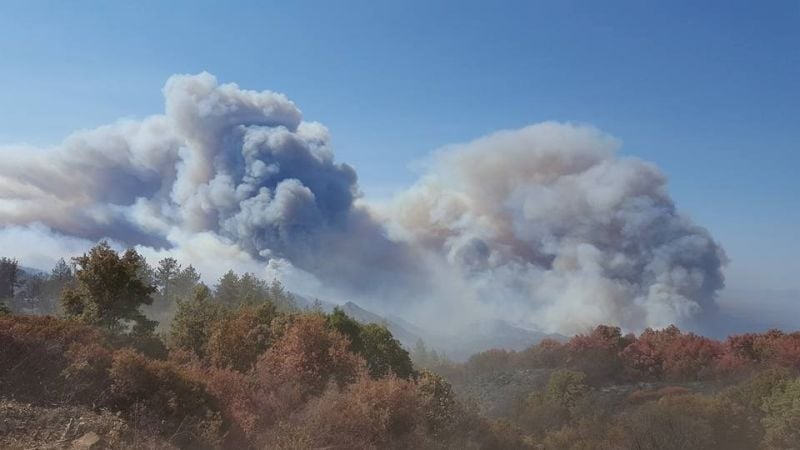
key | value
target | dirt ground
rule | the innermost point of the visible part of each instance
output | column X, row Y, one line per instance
column 25, row 426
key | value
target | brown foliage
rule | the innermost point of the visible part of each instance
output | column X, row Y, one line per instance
column 488, row 362
column 368, row 414
column 309, row 355
column 597, row 354
column 670, row 355
column 160, row 396
column 547, row 353
column 237, row 341
column 687, row 421
column 37, row 351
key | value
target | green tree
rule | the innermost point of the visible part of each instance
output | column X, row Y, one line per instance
column 338, row 320
column 227, row 289
column 193, row 322
column 108, row 290
column 375, row 343
column 185, row 282
column 283, row 299
column 384, row 353
column 252, row 290
column 9, row 277
column 234, row 291
column 61, row 271
column 165, row 274
column 60, row 277
column 566, row 387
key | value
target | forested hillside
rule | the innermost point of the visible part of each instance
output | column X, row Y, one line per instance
column 106, row 351
column 237, row 366
column 663, row 389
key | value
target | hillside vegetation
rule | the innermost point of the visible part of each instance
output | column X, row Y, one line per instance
column 121, row 355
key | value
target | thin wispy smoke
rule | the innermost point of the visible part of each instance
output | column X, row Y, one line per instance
column 544, row 224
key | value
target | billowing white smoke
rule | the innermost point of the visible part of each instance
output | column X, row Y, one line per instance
column 548, row 218
column 544, row 224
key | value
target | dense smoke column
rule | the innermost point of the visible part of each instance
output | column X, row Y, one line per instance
column 548, row 217
column 544, row 224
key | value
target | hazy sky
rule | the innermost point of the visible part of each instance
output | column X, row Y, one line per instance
column 709, row 91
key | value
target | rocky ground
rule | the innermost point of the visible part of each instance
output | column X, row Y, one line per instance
column 25, row 426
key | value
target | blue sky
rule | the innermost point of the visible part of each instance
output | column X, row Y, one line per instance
column 709, row 91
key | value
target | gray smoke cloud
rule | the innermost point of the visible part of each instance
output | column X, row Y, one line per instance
column 544, row 224
column 549, row 219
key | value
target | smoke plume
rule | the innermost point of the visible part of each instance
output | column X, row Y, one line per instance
column 544, row 225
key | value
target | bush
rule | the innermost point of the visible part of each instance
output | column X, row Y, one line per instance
column 782, row 421
column 597, row 354
column 36, row 352
column 671, row 355
column 238, row 340
column 237, row 394
column 309, row 355
column 369, row 414
column 687, row 421
column 159, row 396
column 548, row 353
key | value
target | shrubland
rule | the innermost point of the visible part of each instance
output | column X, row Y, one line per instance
column 238, row 365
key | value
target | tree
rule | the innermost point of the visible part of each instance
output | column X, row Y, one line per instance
column 60, row 277
column 309, row 355
column 252, row 290
column 597, row 354
column 108, row 291
column 32, row 292
column 566, row 387
column 383, row 353
column 191, row 327
column 227, row 289
column 239, row 339
column 165, row 274
column 235, row 291
column 185, row 282
column 283, row 299
column 350, row 328
column 61, row 271
column 9, row 277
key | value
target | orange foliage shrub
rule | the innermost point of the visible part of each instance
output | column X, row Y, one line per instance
column 161, row 397
column 547, row 353
column 690, row 357
column 237, row 395
column 309, row 355
column 597, row 354
column 236, row 342
column 369, row 414
column 35, row 352
column 488, row 362
column 670, row 354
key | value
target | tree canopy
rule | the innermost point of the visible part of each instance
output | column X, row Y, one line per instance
column 108, row 290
